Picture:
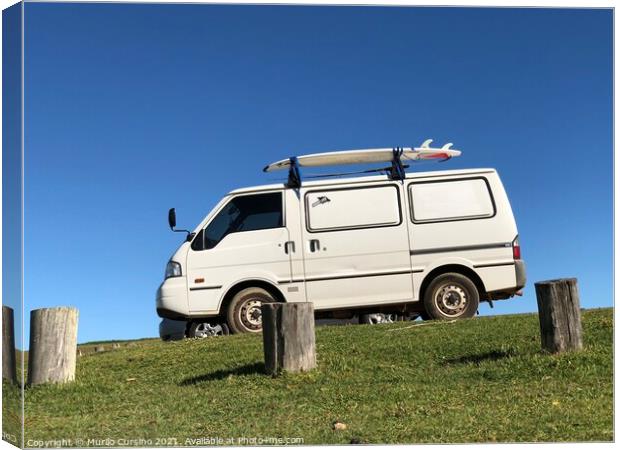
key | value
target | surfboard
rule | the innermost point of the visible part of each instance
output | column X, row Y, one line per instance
column 370, row 155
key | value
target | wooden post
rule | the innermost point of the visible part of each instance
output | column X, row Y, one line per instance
column 53, row 345
column 8, row 345
column 559, row 315
column 288, row 337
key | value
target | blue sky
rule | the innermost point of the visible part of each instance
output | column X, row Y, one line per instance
column 132, row 109
column 11, row 165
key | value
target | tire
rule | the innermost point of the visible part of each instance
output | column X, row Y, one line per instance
column 204, row 329
column 368, row 319
column 451, row 296
column 244, row 314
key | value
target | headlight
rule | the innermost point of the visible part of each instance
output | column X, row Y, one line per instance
column 173, row 269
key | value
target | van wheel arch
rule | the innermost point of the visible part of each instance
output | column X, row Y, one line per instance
column 454, row 268
column 235, row 289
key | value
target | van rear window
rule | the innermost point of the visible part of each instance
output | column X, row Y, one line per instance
column 351, row 208
column 450, row 200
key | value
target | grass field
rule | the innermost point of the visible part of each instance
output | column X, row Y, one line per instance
column 480, row 380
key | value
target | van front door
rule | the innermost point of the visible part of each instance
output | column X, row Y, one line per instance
column 246, row 239
column 356, row 246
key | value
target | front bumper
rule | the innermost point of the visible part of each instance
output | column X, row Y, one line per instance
column 172, row 330
column 171, row 299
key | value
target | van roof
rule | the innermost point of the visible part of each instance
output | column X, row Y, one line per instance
column 371, row 178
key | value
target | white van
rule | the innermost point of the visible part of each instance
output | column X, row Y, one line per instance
column 434, row 243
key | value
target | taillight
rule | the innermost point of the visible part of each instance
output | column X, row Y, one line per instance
column 516, row 249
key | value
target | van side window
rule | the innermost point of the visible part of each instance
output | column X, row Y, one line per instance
column 435, row 201
column 245, row 213
column 352, row 208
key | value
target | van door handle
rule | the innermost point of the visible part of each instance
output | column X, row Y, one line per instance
column 289, row 246
column 315, row 246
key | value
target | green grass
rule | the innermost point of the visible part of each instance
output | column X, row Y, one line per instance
column 11, row 413
column 480, row 380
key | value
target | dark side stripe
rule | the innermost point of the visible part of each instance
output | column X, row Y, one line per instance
column 343, row 277
column 203, row 288
column 425, row 251
column 479, row 266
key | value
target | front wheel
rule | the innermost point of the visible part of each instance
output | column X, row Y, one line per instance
column 244, row 311
column 451, row 296
column 202, row 330
column 376, row 318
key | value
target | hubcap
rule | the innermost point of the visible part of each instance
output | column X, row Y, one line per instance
column 205, row 329
column 251, row 315
column 382, row 318
column 451, row 300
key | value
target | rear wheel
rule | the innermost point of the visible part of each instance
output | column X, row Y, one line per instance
column 451, row 296
column 244, row 311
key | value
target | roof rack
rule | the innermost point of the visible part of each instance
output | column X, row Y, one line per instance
column 294, row 176
column 394, row 155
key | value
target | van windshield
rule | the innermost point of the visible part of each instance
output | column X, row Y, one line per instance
column 245, row 213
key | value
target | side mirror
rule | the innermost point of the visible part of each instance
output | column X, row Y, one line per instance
column 172, row 218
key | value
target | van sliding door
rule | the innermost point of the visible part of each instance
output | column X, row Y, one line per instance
column 355, row 244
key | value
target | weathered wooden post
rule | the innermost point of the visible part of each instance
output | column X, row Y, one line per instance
column 559, row 315
column 53, row 345
column 9, row 371
column 288, row 337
